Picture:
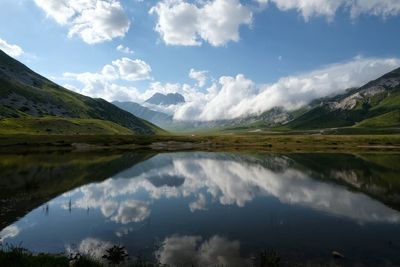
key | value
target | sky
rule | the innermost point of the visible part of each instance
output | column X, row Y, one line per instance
column 229, row 58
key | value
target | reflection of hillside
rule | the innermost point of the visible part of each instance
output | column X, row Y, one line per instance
column 230, row 179
column 27, row 181
column 374, row 174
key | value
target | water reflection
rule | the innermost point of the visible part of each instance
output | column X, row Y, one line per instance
column 9, row 232
column 228, row 179
column 177, row 250
column 195, row 251
column 207, row 209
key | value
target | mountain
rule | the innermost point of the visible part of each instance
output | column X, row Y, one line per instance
column 30, row 103
column 158, row 118
column 166, row 100
column 376, row 104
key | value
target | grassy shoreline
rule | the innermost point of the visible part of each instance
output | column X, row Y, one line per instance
column 255, row 141
column 117, row 256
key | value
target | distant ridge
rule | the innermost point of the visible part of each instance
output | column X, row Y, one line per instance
column 166, row 100
column 158, row 118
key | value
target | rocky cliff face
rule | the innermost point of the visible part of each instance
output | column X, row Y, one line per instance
column 166, row 100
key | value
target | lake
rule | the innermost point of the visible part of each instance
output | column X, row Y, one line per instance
column 206, row 208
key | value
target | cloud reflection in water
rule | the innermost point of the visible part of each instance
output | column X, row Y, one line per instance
column 229, row 179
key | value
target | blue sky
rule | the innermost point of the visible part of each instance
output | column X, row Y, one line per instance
column 262, row 43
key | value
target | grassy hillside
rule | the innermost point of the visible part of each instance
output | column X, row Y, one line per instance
column 376, row 104
column 390, row 119
column 26, row 94
column 373, row 174
column 57, row 125
column 372, row 108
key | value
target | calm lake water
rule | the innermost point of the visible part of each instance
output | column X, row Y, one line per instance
column 205, row 208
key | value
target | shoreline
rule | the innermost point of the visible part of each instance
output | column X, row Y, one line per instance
column 237, row 142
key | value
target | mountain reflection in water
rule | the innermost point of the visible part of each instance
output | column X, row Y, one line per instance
column 210, row 209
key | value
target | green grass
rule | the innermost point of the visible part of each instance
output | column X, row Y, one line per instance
column 57, row 125
column 312, row 141
column 390, row 119
column 26, row 259
column 389, row 103
column 26, row 93
column 17, row 256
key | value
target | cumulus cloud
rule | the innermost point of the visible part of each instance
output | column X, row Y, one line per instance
column 11, row 49
column 124, row 49
column 9, row 232
column 93, row 247
column 238, row 96
column 199, row 204
column 132, row 70
column 194, row 251
column 132, row 211
column 329, row 8
column 198, row 75
column 119, row 211
column 104, row 83
column 216, row 22
column 95, row 21
column 228, row 180
column 231, row 97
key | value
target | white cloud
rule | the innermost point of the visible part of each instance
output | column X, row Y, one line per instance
column 238, row 96
column 232, row 97
column 190, row 94
column 124, row 49
column 216, row 22
column 97, row 85
column 9, row 232
column 92, row 247
column 199, row 75
column 104, row 84
column 132, row 70
column 228, row 180
column 194, row 251
column 328, row 8
column 11, row 49
column 199, row 204
column 132, row 211
column 221, row 104
column 95, row 21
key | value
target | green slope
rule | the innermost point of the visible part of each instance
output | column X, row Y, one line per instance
column 57, row 125
column 376, row 104
column 26, row 94
column 390, row 119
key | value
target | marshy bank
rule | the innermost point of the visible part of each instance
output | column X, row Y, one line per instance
column 250, row 141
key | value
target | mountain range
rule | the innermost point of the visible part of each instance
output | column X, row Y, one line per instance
column 30, row 103
column 374, row 105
